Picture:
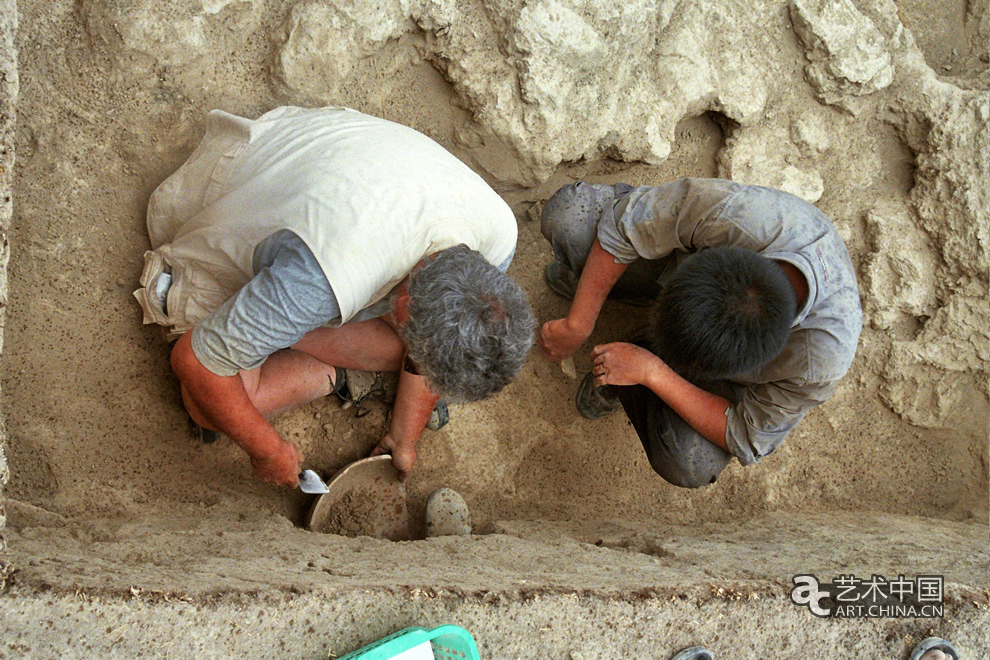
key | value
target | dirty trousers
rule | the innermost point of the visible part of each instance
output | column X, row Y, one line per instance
column 676, row 451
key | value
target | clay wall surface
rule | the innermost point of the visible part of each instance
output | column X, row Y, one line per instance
column 8, row 113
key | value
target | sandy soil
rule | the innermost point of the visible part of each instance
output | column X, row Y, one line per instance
column 95, row 423
column 548, row 589
column 364, row 500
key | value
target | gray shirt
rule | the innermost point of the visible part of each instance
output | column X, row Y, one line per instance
column 676, row 219
column 288, row 296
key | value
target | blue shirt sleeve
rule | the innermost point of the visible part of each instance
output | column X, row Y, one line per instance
column 504, row 266
column 288, row 297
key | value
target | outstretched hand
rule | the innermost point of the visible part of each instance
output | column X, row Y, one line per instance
column 620, row 363
column 403, row 456
column 282, row 468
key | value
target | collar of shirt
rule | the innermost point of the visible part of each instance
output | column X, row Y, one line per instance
column 802, row 264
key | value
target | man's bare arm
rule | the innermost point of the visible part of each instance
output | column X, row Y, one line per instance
column 224, row 405
column 628, row 364
column 559, row 339
column 702, row 410
column 414, row 402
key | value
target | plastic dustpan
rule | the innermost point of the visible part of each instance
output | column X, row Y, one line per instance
column 440, row 643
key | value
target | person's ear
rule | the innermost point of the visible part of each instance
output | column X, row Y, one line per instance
column 400, row 306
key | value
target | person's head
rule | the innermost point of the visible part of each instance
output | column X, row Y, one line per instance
column 724, row 312
column 470, row 327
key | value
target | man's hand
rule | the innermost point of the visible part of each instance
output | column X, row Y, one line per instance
column 628, row 364
column 281, row 468
column 413, row 404
column 559, row 339
column 403, row 456
column 624, row 364
column 222, row 403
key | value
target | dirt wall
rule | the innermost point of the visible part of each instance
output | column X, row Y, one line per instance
column 549, row 589
column 8, row 115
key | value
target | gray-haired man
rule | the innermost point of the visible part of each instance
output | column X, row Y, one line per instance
column 308, row 242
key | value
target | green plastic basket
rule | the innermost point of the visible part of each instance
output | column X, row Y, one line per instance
column 448, row 643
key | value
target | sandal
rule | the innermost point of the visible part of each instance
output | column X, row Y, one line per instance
column 354, row 387
column 206, row 436
column 560, row 279
column 594, row 402
column 934, row 644
column 694, row 653
column 439, row 417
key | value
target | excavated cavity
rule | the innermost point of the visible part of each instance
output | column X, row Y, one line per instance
column 109, row 490
column 902, row 164
column 725, row 126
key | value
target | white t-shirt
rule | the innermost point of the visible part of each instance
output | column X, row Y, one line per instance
column 368, row 197
column 288, row 297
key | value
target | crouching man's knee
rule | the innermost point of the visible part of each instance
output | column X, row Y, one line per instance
column 683, row 457
column 570, row 219
column 688, row 475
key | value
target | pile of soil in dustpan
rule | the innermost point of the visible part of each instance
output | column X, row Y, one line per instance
column 365, row 498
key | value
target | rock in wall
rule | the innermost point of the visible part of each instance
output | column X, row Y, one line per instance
column 8, row 100
column 558, row 80
column 847, row 55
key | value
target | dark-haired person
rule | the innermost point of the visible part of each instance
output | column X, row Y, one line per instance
column 293, row 248
column 756, row 314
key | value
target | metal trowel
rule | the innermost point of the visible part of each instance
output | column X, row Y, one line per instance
column 311, row 484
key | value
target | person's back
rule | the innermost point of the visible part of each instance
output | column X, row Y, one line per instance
column 757, row 385
column 301, row 246
column 369, row 197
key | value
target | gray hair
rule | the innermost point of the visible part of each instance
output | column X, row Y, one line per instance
column 470, row 327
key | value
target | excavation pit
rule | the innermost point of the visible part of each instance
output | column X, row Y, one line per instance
column 127, row 536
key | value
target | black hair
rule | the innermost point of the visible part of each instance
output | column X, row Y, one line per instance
column 724, row 312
